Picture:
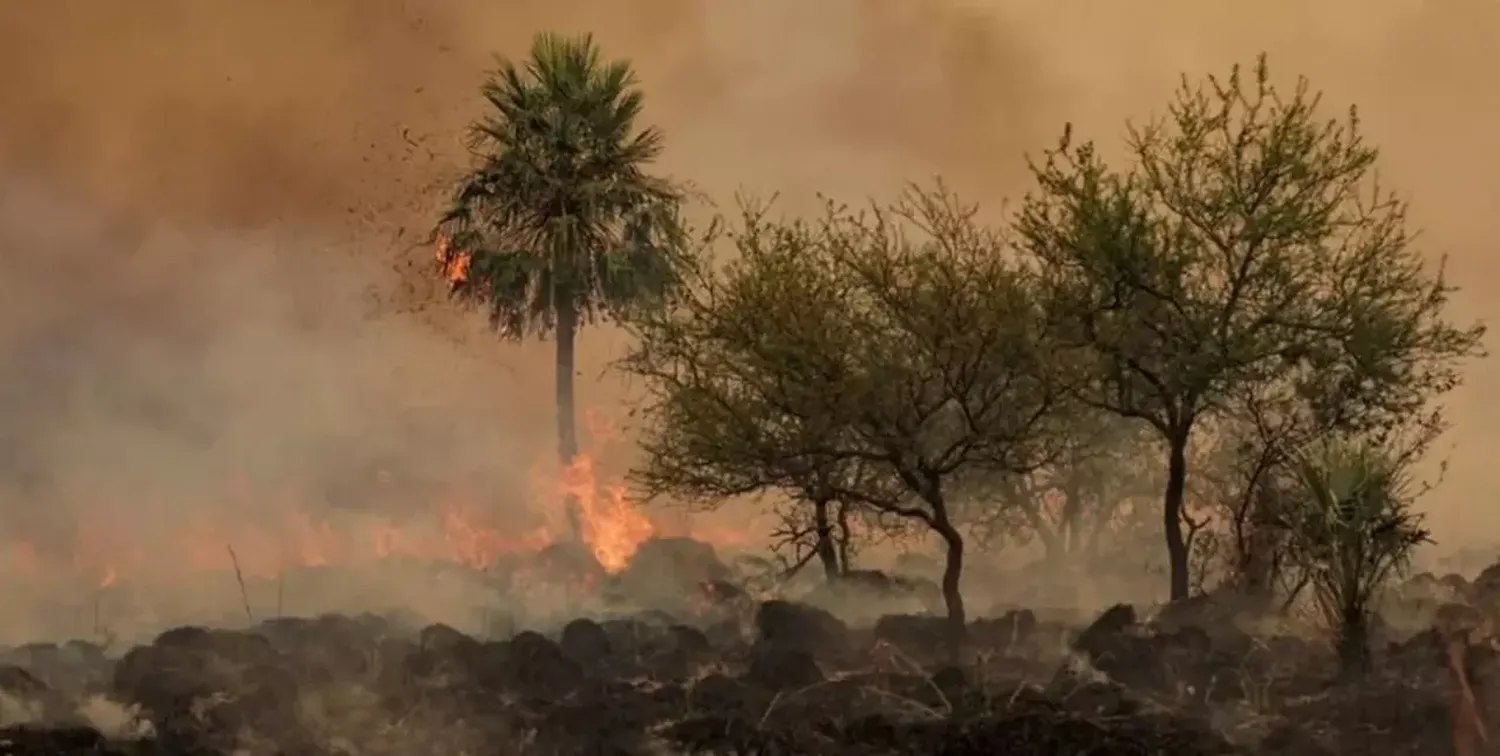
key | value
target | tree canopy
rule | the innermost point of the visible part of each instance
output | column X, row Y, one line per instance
column 873, row 357
column 559, row 213
column 1245, row 245
column 1235, row 290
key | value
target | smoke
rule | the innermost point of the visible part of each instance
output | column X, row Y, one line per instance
column 210, row 280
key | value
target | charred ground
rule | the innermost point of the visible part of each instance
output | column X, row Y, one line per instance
column 718, row 671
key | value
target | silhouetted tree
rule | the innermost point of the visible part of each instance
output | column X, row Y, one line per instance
column 869, row 358
column 558, row 224
column 1246, row 244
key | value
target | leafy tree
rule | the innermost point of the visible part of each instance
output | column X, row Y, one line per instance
column 1248, row 244
column 1071, row 503
column 1352, row 528
column 870, row 358
column 558, row 224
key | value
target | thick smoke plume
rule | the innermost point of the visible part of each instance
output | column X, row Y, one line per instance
column 212, row 296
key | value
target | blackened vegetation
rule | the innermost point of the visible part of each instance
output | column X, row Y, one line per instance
column 739, row 676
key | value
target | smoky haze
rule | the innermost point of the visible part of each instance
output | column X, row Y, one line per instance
column 210, row 211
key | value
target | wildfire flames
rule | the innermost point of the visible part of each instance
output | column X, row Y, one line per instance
column 276, row 533
column 458, row 531
column 453, row 264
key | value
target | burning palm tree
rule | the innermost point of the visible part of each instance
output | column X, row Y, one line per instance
column 558, row 224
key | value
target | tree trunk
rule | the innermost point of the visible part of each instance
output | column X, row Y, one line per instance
column 1177, row 551
column 1256, row 537
column 1068, row 519
column 1050, row 536
column 1054, row 551
column 827, row 551
column 1259, row 562
column 1097, row 521
column 844, row 537
column 1354, row 642
column 567, row 421
column 953, row 567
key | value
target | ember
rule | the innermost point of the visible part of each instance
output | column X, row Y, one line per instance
column 454, row 264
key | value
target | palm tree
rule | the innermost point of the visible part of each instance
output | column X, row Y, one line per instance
column 1352, row 528
column 558, row 225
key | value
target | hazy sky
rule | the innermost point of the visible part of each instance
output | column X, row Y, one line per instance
column 208, row 208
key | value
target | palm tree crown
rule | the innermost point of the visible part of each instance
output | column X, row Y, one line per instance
column 558, row 219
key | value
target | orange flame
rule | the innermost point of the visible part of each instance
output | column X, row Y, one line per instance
column 613, row 527
column 453, row 263
column 267, row 540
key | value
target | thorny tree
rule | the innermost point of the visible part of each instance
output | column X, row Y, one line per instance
column 1247, row 244
column 558, row 224
column 1252, row 468
column 869, row 357
column 822, row 529
column 1070, row 505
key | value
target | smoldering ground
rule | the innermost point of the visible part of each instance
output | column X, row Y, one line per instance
column 211, row 209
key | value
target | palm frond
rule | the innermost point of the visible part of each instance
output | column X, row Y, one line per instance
column 1353, row 526
column 559, row 209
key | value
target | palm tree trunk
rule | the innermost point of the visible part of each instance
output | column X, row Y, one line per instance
column 1354, row 642
column 567, row 421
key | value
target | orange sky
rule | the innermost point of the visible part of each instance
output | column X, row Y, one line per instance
column 209, row 208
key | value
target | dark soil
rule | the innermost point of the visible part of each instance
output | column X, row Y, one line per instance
column 788, row 679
